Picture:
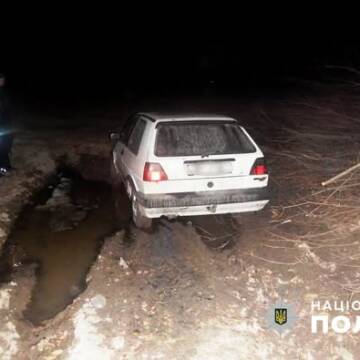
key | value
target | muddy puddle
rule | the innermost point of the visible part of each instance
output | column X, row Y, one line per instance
column 61, row 235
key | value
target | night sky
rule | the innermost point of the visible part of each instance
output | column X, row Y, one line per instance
column 133, row 54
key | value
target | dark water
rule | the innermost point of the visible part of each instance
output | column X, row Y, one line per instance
column 63, row 240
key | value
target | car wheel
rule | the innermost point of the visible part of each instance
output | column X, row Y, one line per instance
column 139, row 219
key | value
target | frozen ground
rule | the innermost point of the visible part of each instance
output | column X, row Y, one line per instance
column 202, row 288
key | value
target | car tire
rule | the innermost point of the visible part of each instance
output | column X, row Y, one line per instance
column 140, row 221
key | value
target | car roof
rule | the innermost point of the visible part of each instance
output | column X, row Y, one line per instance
column 159, row 117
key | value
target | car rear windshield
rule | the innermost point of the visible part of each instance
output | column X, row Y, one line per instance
column 201, row 138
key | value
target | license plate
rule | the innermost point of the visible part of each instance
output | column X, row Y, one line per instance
column 209, row 168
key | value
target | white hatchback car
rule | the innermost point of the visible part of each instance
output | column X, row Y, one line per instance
column 176, row 165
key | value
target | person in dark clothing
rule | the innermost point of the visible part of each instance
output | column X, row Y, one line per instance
column 6, row 137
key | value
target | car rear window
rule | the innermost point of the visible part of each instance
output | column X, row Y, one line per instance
column 201, row 138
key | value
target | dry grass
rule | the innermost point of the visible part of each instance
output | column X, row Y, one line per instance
column 318, row 140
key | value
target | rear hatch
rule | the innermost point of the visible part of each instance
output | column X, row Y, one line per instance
column 204, row 155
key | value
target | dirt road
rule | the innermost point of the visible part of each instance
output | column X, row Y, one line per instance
column 206, row 287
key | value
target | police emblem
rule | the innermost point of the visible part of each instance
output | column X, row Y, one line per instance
column 281, row 316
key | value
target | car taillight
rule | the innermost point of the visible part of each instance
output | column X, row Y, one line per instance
column 259, row 167
column 154, row 172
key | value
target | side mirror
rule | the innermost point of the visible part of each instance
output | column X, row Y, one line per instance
column 114, row 137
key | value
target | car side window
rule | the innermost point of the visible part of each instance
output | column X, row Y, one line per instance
column 127, row 129
column 136, row 136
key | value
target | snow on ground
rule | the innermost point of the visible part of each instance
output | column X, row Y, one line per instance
column 8, row 333
column 89, row 343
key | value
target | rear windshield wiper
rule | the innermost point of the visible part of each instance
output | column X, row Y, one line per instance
column 216, row 152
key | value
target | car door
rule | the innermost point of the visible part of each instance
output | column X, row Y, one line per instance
column 119, row 148
column 132, row 162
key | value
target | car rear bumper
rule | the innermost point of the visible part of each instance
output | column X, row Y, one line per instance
column 204, row 210
column 203, row 203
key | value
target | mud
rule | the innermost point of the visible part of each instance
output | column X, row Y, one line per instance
column 196, row 288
